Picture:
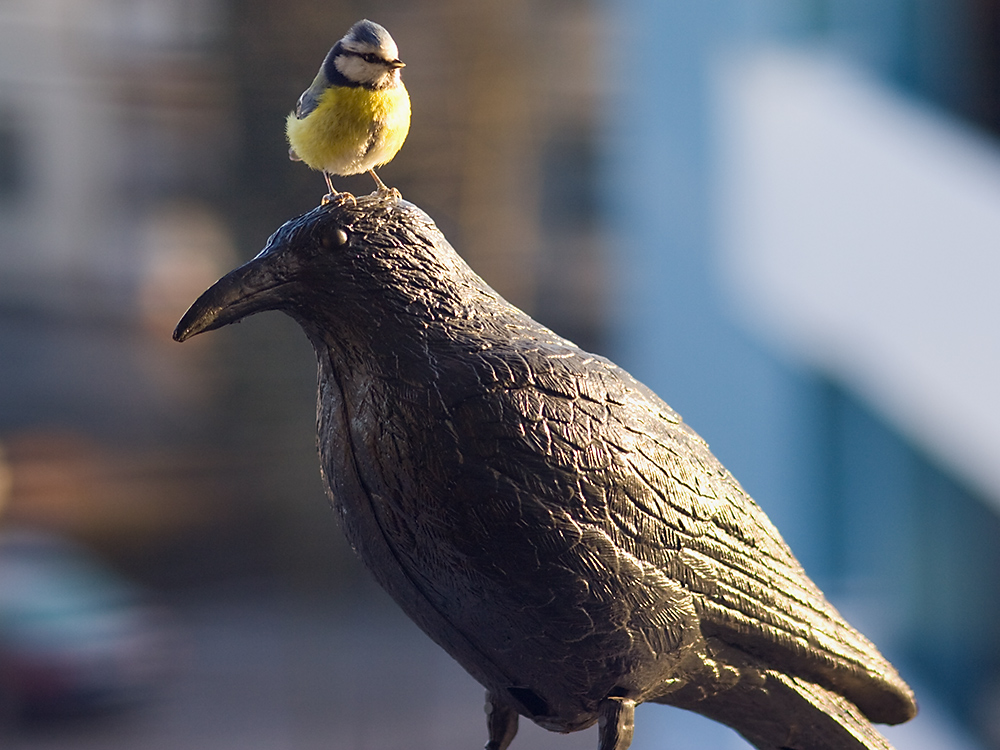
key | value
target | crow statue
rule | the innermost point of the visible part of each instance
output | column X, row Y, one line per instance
column 540, row 514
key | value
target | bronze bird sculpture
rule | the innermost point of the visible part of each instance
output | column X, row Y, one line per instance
column 542, row 515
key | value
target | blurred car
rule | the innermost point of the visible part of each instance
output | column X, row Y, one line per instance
column 75, row 637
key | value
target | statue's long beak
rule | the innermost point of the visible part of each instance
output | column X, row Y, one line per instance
column 249, row 289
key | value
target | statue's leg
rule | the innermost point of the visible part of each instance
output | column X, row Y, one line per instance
column 616, row 719
column 501, row 721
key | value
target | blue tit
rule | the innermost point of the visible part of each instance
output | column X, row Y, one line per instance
column 356, row 114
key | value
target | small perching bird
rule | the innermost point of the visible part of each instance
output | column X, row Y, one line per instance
column 356, row 113
column 542, row 515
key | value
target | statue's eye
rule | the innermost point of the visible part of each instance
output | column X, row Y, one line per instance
column 334, row 238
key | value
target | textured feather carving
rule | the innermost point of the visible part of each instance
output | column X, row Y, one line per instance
column 544, row 516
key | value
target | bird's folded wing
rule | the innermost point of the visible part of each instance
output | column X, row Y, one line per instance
column 651, row 486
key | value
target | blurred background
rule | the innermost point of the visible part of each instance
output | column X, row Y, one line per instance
column 782, row 215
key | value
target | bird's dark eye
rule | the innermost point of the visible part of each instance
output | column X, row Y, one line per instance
column 371, row 57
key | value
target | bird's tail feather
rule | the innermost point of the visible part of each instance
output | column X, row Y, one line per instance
column 775, row 711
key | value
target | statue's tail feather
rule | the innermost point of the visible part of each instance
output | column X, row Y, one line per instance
column 775, row 711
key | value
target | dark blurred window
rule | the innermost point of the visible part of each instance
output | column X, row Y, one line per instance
column 569, row 171
column 12, row 172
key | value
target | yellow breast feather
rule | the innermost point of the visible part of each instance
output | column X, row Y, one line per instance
column 352, row 129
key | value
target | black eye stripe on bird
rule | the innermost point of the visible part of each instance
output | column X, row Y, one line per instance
column 542, row 515
column 368, row 57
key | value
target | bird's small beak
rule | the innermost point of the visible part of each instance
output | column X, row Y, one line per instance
column 249, row 289
column 397, row 64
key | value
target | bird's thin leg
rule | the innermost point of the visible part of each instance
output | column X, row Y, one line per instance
column 334, row 196
column 615, row 722
column 501, row 722
column 378, row 183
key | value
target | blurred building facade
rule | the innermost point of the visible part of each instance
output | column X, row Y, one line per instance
column 903, row 537
column 114, row 132
column 142, row 154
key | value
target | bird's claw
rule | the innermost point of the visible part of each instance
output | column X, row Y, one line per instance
column 389, row 192
column 338, row 199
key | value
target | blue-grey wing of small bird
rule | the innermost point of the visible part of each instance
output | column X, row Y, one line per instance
column 541, row 514
column 308, row 102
